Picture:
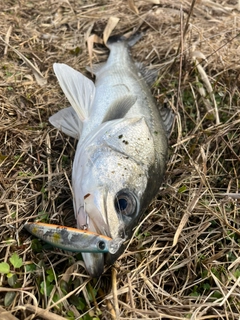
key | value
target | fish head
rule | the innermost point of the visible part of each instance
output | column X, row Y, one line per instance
column 111, row 175
column 112, row 193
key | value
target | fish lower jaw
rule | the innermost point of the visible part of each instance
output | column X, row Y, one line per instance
column 115, row 244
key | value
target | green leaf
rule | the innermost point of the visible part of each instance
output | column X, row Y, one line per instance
column 87, row 317
column 36, row 246
column 78, row 302
column 9, row 297
column 43, row 216
column 194, row 294
column 64, row 286
column 12, row 279
column 30, row 267
column 70, row 315
column 217, row 294
column 206, row 286
column 50, row 276
column 56, row 298
column 4, row 267
column 236, row 273
column 16, row 261
column 182, row 189
column 46, row 286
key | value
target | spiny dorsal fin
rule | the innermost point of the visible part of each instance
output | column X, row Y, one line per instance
column 120, row 107
column 96, row 68
column 149, row 75
column 79, row 90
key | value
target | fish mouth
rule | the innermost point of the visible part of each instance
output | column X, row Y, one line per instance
column 94, row 263
column 99, row 215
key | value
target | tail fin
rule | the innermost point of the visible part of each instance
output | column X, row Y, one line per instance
column 134, row 38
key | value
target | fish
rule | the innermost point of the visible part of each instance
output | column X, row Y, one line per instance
column 122, row 149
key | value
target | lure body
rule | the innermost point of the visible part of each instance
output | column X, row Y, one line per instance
column 71, row 239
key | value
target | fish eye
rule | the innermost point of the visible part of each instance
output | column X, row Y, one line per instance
column 125, row 202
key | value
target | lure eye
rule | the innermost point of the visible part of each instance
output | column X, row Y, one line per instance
column 101, row 245
column 125, row 202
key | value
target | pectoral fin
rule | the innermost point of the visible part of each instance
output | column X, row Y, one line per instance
column 120, row 107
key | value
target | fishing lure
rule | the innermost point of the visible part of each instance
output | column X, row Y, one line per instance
column 71, row 239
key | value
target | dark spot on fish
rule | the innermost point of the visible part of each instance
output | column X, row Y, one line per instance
column 155, row 132
column 113, row 171
column 86, row 196
column 120, row 137
column 124, row 141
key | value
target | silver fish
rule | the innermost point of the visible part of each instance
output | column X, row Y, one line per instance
column 122, row 150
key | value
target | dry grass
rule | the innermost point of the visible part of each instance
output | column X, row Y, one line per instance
column 198, row 207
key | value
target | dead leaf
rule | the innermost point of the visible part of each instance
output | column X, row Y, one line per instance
column 182, row 224
column 90, row 43
column 68, row 273
column 112, row 22
column 8, row 34
column 198, row 55
column 132, row 6
column 154, row 1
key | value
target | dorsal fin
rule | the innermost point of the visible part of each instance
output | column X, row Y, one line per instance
column 168, row 118
column 96, row 68
column 149, row 75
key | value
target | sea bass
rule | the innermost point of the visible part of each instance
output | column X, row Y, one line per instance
column 121, row 154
